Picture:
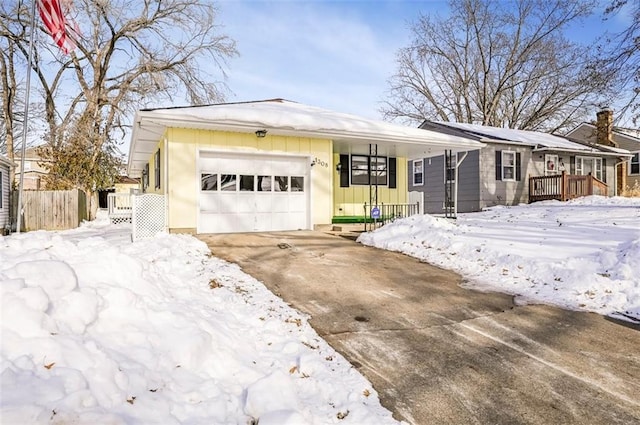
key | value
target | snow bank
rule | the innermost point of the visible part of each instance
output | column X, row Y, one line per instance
column 579, row 255
column 96, row 329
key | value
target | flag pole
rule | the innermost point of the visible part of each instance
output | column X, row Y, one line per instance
column 25, row 121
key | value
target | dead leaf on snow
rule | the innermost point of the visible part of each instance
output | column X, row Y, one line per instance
column 341, row 415
column 293, row 369
column 366, row 393
column 49, row 366
column 131, row 400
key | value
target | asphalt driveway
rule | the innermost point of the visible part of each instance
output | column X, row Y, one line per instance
column 438, row 353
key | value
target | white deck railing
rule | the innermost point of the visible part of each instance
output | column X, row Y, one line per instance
column 119, row 207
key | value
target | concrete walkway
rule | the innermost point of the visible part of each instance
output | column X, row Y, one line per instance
column 441, row 354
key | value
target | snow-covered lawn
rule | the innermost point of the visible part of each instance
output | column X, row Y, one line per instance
column 96, row 329
column 582, row 255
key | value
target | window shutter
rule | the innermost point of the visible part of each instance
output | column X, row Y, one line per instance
column 572, row 165
column 604, row 170
column 392, row 172
column 344, row 170
column 498, row 165
column 518, row 167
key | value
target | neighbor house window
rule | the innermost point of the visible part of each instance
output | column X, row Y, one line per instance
column 156, row 168
column 634, row 167
column 551, row 165
column 418, row 172
column 368, row 170
column 508, row 165
column 586, row 165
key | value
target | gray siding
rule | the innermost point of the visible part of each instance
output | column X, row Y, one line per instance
column 497, row 192
column 4, row 209
column 434, row 184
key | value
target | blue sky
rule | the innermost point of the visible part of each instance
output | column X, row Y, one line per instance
column 332, row 54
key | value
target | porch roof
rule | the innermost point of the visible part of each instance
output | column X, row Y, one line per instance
column 6, row 162
column 350, row 133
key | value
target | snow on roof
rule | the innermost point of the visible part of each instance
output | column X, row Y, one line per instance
column 283, row 117
column 525, row 137
column 5, row 161
column 630, row 132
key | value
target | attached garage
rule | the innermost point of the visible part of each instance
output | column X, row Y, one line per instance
column 249, row 193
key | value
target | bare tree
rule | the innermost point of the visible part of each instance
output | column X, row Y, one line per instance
column 130, row 54
column 619, row 60
column 495, row 62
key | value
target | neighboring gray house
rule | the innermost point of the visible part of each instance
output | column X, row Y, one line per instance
column 501, row 173
column 628, row 173
column 5, row 187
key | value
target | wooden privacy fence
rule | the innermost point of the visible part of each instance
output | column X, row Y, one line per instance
column 564, row 187
column 51, row 209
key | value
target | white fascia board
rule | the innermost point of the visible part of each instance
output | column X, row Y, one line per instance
column 584, row 152
column 435, row 139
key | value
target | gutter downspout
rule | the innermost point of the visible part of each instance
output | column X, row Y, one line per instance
column 166, row 184
column 455, row 194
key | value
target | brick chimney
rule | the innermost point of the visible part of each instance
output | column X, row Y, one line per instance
column 604, row 128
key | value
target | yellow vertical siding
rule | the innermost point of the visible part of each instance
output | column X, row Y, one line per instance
column 349, row 201
column 184, row 145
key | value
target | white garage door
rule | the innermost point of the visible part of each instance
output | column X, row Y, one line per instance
column 252, row 193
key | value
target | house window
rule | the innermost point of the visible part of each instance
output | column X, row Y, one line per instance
column 367, row 170
column 551, row 165
column 586, row 165
column 156, row 168
column 635, row 164
column 508, row 165
column 450, row 167
column 418, row 172
column 145, row 177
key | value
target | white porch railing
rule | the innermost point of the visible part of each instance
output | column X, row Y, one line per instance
column 119, row 207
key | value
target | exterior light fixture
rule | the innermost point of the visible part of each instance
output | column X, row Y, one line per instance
column 339, row 167
column 261, row 133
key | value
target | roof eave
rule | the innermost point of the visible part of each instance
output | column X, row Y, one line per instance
column 593, row 152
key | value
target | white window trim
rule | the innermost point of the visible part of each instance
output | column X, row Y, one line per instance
column 631, row 161
column 555, row 160
column 416, row 162
column 594, row 168
column 505, row 153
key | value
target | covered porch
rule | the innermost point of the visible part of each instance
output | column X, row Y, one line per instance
column 563, row 187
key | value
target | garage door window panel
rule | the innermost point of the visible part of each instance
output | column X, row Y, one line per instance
column 228, row 182
column 297, row 184
column 247, row 183
column 265, row 183
column 281, row 183
column 209, row 182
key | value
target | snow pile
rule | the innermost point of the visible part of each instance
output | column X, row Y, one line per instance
column 580, row 255
column 96, row 329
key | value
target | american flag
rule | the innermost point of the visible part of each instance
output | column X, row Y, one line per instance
column 54, row 20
